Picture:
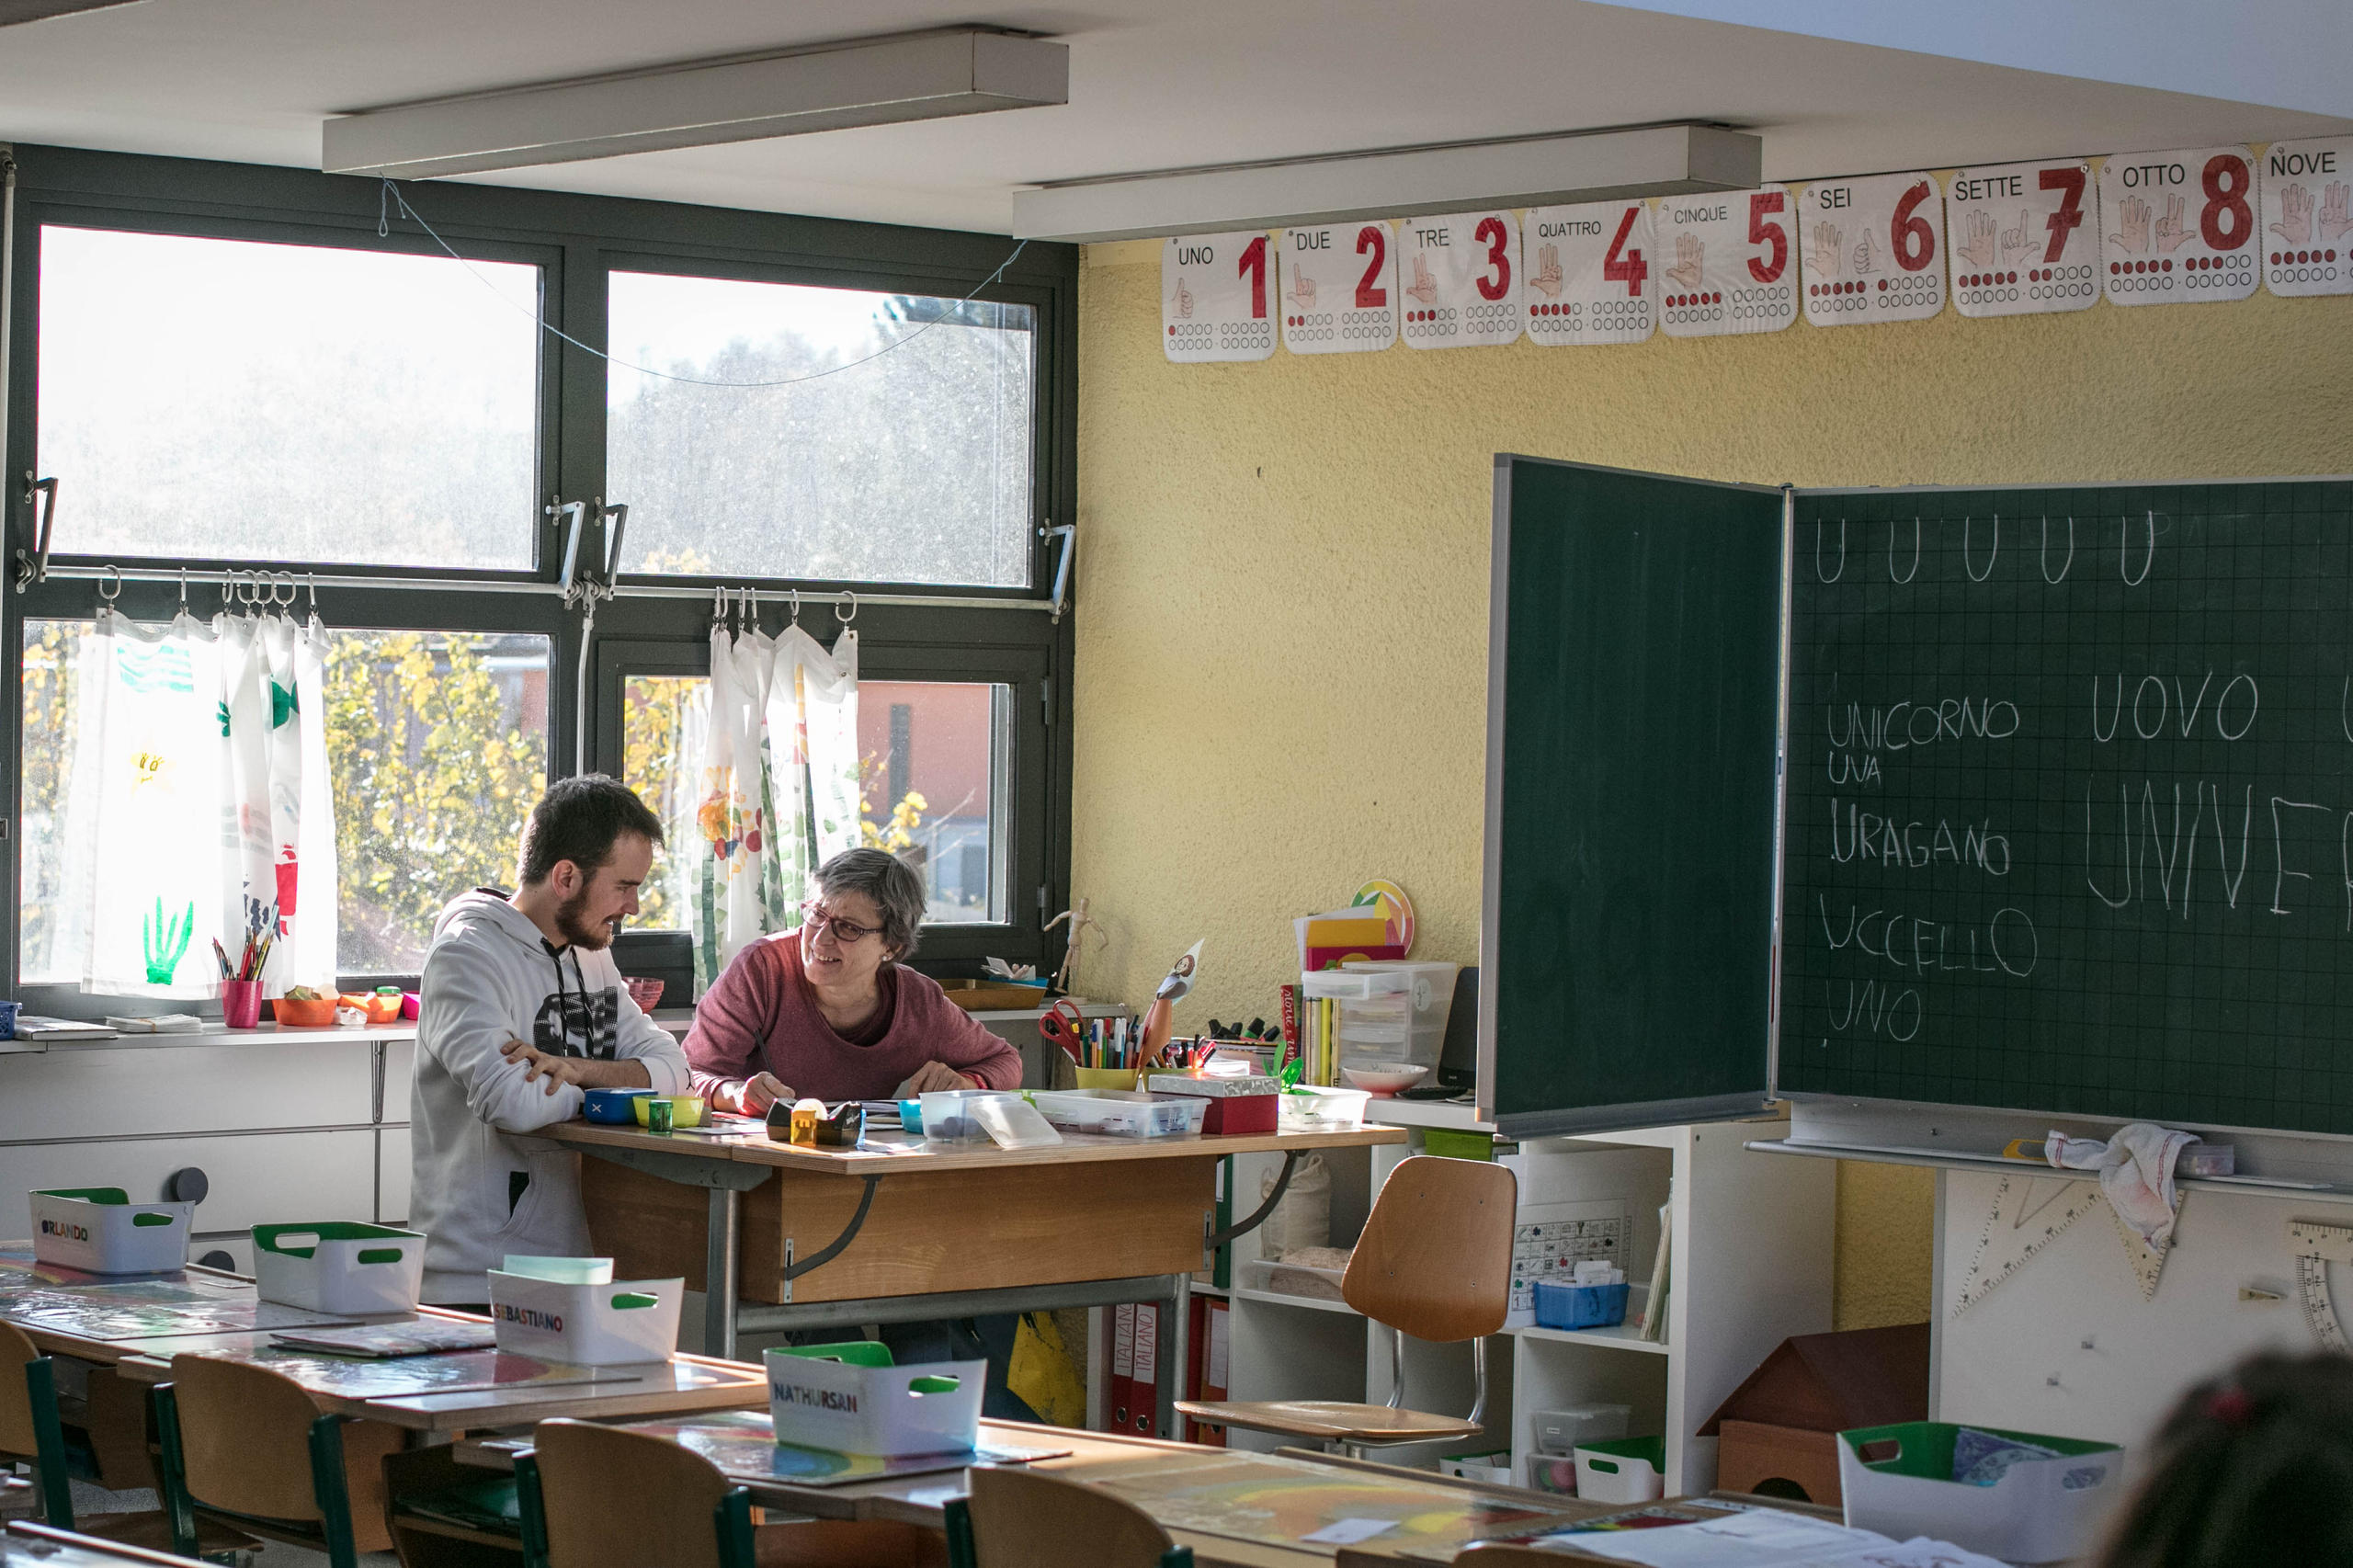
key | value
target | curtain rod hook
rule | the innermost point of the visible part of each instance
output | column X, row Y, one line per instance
column 113, row 575
column 849, row 599
column 314, row 591
column 183, row 587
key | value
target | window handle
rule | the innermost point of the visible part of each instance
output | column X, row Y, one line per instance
column 32, row 566
column 1069, row 537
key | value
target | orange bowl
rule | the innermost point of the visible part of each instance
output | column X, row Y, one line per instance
column 313, row 1015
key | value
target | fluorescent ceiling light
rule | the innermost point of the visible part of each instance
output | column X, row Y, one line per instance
column 876, row 82
column 1537, row 171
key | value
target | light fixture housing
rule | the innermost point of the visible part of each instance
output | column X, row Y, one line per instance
column 911, row 76
column 1534, row 171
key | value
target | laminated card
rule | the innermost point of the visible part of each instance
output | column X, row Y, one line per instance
column 1727, row 263
column 1217, row 298
column 2180, row 225
column 1459, row 276
column 2025, row 238
column 1339, row 288
column 1591, row 272
column 1874, row 249
column 2308, row 217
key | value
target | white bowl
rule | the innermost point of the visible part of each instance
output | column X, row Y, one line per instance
column 1385, row 1081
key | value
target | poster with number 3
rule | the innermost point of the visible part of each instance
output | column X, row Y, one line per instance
column 1460, row 276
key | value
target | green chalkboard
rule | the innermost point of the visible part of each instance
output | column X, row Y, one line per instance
column 2070, row 803
column 1627, row 940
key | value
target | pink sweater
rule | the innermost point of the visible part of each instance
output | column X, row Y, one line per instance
column 763, row 1016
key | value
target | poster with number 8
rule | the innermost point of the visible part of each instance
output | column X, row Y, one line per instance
column 1459, row 274
column 2180, row 226
column 1874, row 249
column 2025, row 239
column 1590, row 272
column 1217, row 298
column 1726, row 264
column 1339, row 288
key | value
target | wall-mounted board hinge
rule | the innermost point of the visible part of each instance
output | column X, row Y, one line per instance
column 1041, row 900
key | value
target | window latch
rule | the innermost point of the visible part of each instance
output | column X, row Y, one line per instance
column 32, row 565
column 1069, row 537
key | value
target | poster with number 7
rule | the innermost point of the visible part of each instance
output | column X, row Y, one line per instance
column 2181, row 226
column 1727, row 263
column 2025, row 238
column 1217, row 297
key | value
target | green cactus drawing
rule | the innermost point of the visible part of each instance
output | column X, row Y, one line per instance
column 167, row 942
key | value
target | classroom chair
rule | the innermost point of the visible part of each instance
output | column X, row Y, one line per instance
column 1019, row 1518
column 246, row 1447
column 598, row 1496
column 1435, row 1263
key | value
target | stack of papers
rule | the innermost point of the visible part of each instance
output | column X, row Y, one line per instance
column 1756, row 1537
column 33, row 1026
column 162, row 1023
column 1331, row 939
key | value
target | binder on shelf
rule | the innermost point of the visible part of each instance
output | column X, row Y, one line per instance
column 1143, row 1391
column 1123, row 1368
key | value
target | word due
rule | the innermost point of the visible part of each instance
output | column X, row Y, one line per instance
column 1217, row 298
column 1591, row 275
column 1728, row 263
column 1339, row 289
column 1459, row 276
column 2307, row 217
column 2024, row 239
column 2180, row 226
column 1873, row 250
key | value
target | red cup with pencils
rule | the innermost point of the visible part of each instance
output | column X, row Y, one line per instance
column 240, row 1002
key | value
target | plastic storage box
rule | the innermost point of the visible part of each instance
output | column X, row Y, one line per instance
column 850, row 1399
column 1310, row 1108
column 1623, row 1469
column 1556, row 1473
column 1431, row 1000
column 339, row 1266
column 1237, row 1105
column 1898, row 1479
column 100, row 1230
column 1558, row 1432
column 613, row 1323
column 1113, row 1113
column 1559, row 1304
column 948, row 1119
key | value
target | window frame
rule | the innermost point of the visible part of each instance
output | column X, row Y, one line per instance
column 577, row 241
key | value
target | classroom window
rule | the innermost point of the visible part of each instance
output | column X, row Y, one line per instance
column 913, row 467
column 228, row 398
column 932, row 761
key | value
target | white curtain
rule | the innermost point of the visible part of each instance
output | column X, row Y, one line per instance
column 188, row 735
column 778, row 730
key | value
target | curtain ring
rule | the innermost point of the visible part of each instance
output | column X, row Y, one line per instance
column 183, row 587
column 796, row 606
column 112, row 575
column 718, row 604
column 274, row 600
column 849, row 599
column 751, row 610
column 314, row 591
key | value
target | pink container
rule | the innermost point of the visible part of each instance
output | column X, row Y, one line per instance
column 240, row 1002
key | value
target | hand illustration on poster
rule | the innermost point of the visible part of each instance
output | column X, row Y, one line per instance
column 2171, row 230
column 1546, row 279
column 2132, row 226
column 1866, row 259
column 1424, row 287
column 1302, row 287
column 2027, row 239
column 1885, row 234
column 1981, row 239
column 1216, row 295
column 2189, row 223
column 1322, row 314
column 1690, row 261
column 1181, row 302
column 2334, row 217
column 2295, row 225
column 1824, row 257
column 2019, row 243
column 1593, row 279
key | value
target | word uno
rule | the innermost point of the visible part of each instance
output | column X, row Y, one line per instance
column 1923, row 946
column 1878, row 1009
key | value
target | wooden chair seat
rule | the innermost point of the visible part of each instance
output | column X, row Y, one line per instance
column 1330, row 1420
column 1019, row 1518
column 848, row 1543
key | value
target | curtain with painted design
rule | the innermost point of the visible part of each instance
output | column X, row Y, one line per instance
column 276, row 833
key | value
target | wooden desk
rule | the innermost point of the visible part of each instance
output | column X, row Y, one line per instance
column 1152, row 1473
column 898, row 1229
column 31, row 1542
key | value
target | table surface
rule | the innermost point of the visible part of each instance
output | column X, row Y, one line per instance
column 883, row 1152
column 30, row 1544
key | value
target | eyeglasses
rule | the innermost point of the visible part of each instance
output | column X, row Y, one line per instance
column 848, row 933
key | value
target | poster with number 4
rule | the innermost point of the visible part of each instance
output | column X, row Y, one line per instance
column 2180, row 226
column 1459, row 274
column 1874, row 250
column 1339, row 289
column 1590, row 272
column 2025, row 239
column 2308, row 217
column 1727, row 263
column 1217, row 298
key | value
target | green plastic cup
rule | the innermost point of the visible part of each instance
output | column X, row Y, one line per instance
column 657, row 1114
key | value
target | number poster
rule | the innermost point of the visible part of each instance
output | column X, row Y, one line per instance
column 1339, row 289
column 1590, row 272
column 1874, row 250
column 1727, row 263
column 1460, row 276
column 1217, row 296
column 2180, row 226
column 2307, row 217
column 2025, row 239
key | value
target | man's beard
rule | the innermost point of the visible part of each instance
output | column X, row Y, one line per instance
column 578, row 931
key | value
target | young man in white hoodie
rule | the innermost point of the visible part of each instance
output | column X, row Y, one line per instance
column 522, row 1010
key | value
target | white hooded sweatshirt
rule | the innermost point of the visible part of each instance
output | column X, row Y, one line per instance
column 482, row 1190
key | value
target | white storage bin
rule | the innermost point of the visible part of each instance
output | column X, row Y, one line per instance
column 1121, row 1113
column 99, row 1230
column 2038, row 1510
column 1628, row 1470
column 611, row 1324
column 1309, row 1109
column 860, row 1404
column 947, row 1116
column 1379, row 1021
column 339, row 1266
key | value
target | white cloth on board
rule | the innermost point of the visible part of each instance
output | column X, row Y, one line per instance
column 2135, row 1171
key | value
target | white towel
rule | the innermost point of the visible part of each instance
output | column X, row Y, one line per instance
column 2135, row 1171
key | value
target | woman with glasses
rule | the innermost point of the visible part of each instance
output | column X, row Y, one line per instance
column 830, row 1011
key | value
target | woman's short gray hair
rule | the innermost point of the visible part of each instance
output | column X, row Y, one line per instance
column 890, row 882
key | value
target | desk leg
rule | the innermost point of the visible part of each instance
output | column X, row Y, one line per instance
column 1176, row 1326
column 722, row 1242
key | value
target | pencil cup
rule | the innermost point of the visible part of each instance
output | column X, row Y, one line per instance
column 240, row 1002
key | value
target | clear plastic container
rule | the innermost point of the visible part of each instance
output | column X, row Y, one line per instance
column 947, row 1116
column 1308, row 1108
column 1282, row 1278
column 1117, row 1113
column 1413, row 1034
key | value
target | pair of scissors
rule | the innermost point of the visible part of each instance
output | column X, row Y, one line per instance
column 1064, row 1025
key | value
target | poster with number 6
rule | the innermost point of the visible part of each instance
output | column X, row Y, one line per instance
column 1727, row 263
column 1217, row 298
column 2025, row 239
column 1339, row 288
column 2180, row 226
column 1874, row 249
column 1459, row 276
column 2308, row 217
column 1590, row 272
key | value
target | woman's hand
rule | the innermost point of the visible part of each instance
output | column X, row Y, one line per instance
column 752, row 1097
column 934, row 1077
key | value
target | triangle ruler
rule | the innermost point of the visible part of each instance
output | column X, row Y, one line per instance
column 2147, row 1261
column 2029, row 1214
column 2316, row 1246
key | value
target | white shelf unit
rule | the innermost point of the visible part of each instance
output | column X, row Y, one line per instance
column 1750, row 1266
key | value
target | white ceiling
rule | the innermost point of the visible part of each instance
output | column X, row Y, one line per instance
column 1153, row 85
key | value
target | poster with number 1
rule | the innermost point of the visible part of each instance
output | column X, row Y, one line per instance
column 2181, row 226
column 1217, row 298
column 1459, row 274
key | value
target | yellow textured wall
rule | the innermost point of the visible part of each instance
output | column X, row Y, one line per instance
column 1283, row 581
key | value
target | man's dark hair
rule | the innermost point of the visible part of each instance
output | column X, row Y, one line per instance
column 580, row 820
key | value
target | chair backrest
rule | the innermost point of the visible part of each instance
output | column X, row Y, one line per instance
column 616, row 1499
column 1022, row 1520
column 1500, row 1556
column 1435, row 1258
column 245, row 1438
column 18, row 1436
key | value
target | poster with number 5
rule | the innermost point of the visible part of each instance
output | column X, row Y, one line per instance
column 1727, row 263
column 1459, row 274
column 1874, row 249
column 1217, row 298
column 2025, row 238
column 2308, row 217
column 2180, row 226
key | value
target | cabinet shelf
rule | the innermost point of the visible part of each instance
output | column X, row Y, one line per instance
column 1284, row 1299
column 1616, row 1337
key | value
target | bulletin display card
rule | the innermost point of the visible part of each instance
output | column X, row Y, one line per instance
column 1728, row 264
column 2308, row 217
column 1217, row 298
column 1461, row 276
column 1339, row 289
column 2181, row 226
column 1591, row 272
column 2025, row 239
column 1874, row 250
